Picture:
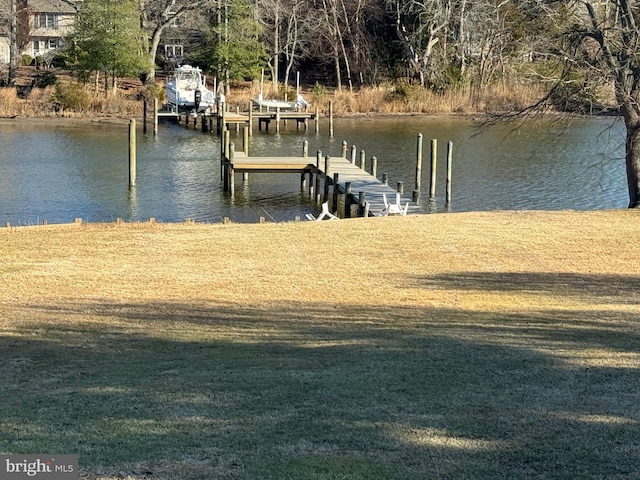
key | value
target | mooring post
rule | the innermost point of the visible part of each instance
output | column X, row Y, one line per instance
column 245, row 140
column 250, row 118
column 155, row 116
column 327, row 165
column 400, row 188
column 449, row 162
column 361, row 203
column 144, row 114
column 330, row 118
column 434, row 155
column 363, row 160
column 231, row 173
column 416, row 191
column 374, row 166
column 344, row 149
column 385, row 178
column 238, row 114
column 305, row 148
column 277, row 119
column 334, row 206
column 347, row 200
column 132, row 153
column 318, row 175
column 354, row 151
column 315, row 117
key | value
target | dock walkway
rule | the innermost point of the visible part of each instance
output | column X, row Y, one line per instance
column 354, row 184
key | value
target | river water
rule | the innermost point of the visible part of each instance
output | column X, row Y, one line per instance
column 57, row 172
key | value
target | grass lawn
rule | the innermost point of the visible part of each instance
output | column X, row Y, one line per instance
column 498, row 345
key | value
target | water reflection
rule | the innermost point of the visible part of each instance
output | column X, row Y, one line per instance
column 62, row 172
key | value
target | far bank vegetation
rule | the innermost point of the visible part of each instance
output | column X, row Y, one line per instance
column 368, row 56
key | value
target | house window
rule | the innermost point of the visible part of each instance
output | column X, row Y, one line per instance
column 47, row 20
column 36, row 47
column 52, row 43
column 173, row 51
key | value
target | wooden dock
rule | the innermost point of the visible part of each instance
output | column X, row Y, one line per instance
column 350, row 190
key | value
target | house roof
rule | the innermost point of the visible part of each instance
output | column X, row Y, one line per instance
column 51, row 6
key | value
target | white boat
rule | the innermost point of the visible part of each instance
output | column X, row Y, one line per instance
column 269, row 104
column 187, row 90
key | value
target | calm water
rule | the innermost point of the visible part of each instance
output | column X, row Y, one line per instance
column 59, row 173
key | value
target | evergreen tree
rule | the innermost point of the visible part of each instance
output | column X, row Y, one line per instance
column 107, row 38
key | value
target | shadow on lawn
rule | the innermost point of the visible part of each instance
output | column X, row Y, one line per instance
column 625, row 288
column 187, row 391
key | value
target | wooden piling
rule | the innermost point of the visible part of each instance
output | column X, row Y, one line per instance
column 144, row 114
column 250, row 118
column 344, row 149
column 347, row 200
column 330, row 118
column 434, row 155
column 245, row 140
column 305, row 148
column 277, row 119
column 363, row 160
column 327, row 166
column 416, row 191
column 316, row 125
column 334, row 203
column 230, row 170
column 155, row 116
column 318, row 175
column 385, row 178
column 400, row 188
column 374, row 166
column 132, row 153
column 449, row 162
column 354, row 151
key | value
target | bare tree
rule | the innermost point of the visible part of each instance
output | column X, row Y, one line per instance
column 597, row 43
column 157, row 15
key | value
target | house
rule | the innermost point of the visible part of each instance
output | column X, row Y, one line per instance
column 43, row 24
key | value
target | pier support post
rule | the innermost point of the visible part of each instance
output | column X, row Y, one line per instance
column 374, row 166
column 354, row 151
column 400, row 188
column 305, row 148
column 327, row 165
column 315, row 117
column 250, row 118
column 245, row 141
column 362, row 204
column 449, row 162
column 317, row 194
column 344, row 149
column 347, row 200
column 132, row 153
column 363, row 160
column 277, row 119
column 330, row 118
column 336, row 188
column 144, row 114
column 434, row 155
column 416, row 191
column 155, row 116
column 385, row 178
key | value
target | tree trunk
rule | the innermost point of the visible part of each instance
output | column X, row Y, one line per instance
column 13, row 45
column 633, row 163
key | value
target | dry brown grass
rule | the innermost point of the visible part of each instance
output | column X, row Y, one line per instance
column 471, row 345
